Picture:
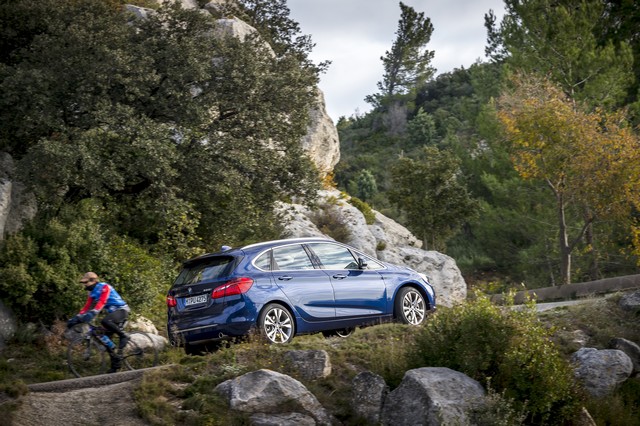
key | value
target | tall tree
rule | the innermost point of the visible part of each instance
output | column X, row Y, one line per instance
column 430, row 193
column 564, row 41
column 590, row 160
column 408, row 64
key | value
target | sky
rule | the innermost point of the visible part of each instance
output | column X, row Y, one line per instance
column 354, row 34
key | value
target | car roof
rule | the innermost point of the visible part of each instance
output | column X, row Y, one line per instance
column 226, row 250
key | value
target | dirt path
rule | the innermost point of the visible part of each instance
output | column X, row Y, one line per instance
column 105, row 400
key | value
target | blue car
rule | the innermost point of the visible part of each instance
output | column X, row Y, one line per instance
column 287, row 287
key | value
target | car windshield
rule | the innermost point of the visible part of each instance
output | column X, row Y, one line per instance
column 206, row 270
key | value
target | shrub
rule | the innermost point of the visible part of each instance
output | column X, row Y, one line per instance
column 367, row 211
column 40, row 266
column 509, row 347
column 330, row 222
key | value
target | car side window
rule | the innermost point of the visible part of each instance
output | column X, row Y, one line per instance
column 291, row 258
column 263, row 261
column 334, row 256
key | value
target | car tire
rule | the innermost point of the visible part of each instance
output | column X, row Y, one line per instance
column 410, row 306
column 277, row 324
column 343, row 332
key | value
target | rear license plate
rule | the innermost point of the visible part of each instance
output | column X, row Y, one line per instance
column 195, row 300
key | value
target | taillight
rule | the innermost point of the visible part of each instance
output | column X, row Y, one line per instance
column 171, row 302
column 230, row 288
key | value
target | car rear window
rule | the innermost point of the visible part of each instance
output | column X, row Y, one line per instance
column 206, row 270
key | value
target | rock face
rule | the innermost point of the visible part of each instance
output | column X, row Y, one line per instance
column 601, row 371
column 432, row 396
column 384, row 239
column 321, row 142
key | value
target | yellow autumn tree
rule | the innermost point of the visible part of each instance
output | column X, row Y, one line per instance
column 588, row 158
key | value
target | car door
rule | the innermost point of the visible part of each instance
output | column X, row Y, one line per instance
column 308, row 289
column 357, row 292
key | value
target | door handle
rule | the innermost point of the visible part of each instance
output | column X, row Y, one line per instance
column 339, row 276
column 285, row 278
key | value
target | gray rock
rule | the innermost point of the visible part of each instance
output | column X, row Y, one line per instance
column 266, row 391
column 433, row 396
column 601, row 371
column 310, row 364
column 630, row 348
column 630, row 302
column 8, row 325
column 368, row 392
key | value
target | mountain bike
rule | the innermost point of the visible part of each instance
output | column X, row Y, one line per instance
column 87, row 355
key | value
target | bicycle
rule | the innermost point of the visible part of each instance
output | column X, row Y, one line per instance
column 87, row 355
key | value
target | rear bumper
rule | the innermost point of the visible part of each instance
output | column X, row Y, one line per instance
column 199, row 333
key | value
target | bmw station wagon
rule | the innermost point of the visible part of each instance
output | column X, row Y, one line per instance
column 287, row 287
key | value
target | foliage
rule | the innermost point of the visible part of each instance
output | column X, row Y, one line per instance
column 407, row 64
column 41, row 266
column 590, row 159
column 511, row 348
column 365, row 209
column 329, row 221
column 563, row 42
column 429, row 191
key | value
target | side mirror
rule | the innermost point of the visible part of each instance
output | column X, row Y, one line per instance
column 362, row 264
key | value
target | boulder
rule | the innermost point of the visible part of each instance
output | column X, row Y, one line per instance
column 268, row 392
column 310, row 364
column 8, row 325
column 631, row 302
column 368, row 392
column 141, row 323
column 433, row 396
column 601, row 371
column 630, row 348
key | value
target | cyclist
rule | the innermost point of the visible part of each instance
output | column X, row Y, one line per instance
column 102, row 296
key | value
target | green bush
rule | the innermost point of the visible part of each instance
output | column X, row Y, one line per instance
column 367, row 211
column 41, row 265
column 511, row 348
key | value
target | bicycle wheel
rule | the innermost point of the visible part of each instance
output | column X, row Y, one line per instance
column 140, row 352
column 85, row 357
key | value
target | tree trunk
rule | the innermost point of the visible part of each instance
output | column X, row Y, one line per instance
column 563, row 237
column 594, row 266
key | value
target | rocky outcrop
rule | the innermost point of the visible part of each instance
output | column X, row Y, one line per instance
column 321, row 142
column 384, row 239
column 601, row 371
column 433, row 396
